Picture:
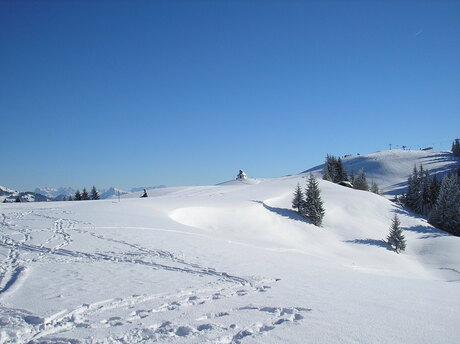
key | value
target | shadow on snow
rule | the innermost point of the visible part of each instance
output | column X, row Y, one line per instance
column 370, row 242
column 287, row 213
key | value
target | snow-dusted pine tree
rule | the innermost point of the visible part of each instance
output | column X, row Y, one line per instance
column 352, row 176
column 298, row 200
column 396, row 237
column 313, row 206
column 329, row 170
column 456, row 147
column 374, row 188
column 94, row 193
column 84, row 195
column 446, row 211
column 77, row 195
column 361, row 182
column 410, row 198
column 340, row 171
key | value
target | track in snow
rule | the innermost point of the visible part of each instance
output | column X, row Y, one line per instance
column 221, row 307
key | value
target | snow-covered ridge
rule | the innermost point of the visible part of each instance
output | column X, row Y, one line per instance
column 390, row 169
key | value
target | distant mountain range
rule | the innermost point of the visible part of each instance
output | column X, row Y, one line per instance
column 55, row 193
column 47, row 194
column 8, row 195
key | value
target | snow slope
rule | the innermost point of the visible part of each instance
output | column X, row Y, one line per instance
column 229, row 263
column 390, row 169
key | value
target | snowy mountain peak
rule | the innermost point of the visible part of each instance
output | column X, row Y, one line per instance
column 112, row 192
column 5, row 190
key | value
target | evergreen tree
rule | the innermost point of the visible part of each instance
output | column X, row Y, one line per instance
column 396, row 237
column 94, row 193
column 375, row 188
column 423, row 192
column 435, row 186
column 313, row 206
column 298, row 200
column 361, row 182
column 446, row 211
column 69, row 198
column 456, row 147
column 329, row 168
column 84, row 195
column 18, row 200
column 78, row 195
column 352, row 176
column 410, row 198
column 340, row 171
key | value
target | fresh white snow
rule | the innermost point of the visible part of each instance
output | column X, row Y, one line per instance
column 229, row 263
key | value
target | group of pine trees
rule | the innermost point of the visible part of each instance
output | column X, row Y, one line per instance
column 446, row 210
column 422, row 191
column 84, row 196
column 440, row 201
column 335, row 172
column 309, row 204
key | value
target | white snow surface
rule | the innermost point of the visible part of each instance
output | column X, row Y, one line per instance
column 229, row 263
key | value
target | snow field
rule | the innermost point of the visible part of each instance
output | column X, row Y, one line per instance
column 225, row 264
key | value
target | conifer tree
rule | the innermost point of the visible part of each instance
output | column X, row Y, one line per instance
column 396, row 237
column 84, row 195
column 423, row 192
column 313, row 206
column 375, row 188
column 410, row 198
column 18, row 200
column 446, row 211
column 94, row 193
column 298, row 200
column 360, row 181
column 340, row 171
column 352, row 176
column 329, row 170
column 456, row 147
column 78, row 195
column 435, row 186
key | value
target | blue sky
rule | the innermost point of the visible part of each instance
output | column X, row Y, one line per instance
column 131, row 93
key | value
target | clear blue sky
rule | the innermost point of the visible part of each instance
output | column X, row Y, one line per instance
column 130, row 93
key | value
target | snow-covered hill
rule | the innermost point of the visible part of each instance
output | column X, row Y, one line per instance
column 390, row 169
column 229, row 263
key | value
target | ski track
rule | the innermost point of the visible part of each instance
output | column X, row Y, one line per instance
column 21, row 326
